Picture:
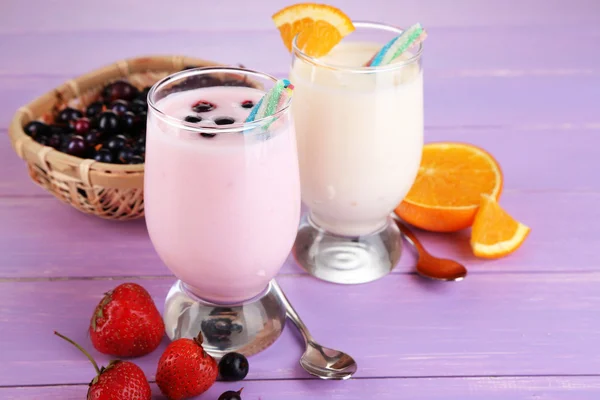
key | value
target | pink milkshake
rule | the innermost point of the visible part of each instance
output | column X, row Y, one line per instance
column 222, row 198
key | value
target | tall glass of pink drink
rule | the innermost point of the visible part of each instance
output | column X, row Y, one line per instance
column 222, row 204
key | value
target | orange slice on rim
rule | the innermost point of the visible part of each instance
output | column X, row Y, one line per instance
column 447, row 191
column 495, row 233
column 322, row 27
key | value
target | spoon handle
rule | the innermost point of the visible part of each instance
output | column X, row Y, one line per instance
column 412, row 238
column 291, row 312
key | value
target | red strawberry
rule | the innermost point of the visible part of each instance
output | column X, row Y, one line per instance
column 185, row 369
column 120, row 380
column 126, row 323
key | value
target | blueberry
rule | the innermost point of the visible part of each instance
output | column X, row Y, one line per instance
column 37, row 128
column 125, row 155
column 104, row 155
column 68, row 115
column 143, row 95
column 76, row 146
column 231, row 395
column 108, row 122
column 139, row 106
column 119, row 106
column 136, row 160
column 247, row 104
column 224, row 121
column 143, row 121
column 120, row 90
column 233, row 367
column 130, row 122
column 43, row 140
column 93, row 138
column 116, row 143
column 55, row 140
column 203, row 106
column 192, row 119
column 94, row 109
column 140, row 145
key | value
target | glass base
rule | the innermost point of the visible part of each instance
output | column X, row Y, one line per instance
column 347, row 259
column 246, row 328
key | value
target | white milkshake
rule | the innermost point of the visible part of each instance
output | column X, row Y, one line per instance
column 360, row 136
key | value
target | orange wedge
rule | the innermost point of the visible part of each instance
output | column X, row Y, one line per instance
column 322, row 27
column 447, row 191
column 495, row 233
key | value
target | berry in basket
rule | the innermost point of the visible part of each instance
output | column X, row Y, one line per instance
column 110, row 129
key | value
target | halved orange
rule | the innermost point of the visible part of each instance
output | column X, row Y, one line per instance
column 447, row 191
column 495, row 233
column 322, row 27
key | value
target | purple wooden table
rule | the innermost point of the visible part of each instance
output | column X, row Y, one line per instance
column 519, row 77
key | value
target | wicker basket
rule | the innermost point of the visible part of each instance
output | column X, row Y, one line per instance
column 109, row 191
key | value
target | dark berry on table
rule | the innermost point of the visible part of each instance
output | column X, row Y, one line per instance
column 119, row 106
column 105, row 156
column 136, row 159
column 208, row 135
column 37, row 128
column 233, row 367
column 76, row 146
column 192, row 119
column 82, row 126
column 120, row 90
column 68, row 116
column 231, row 395
column 125, row 155
column 116, row 143
column 108, row 122
column 94, row 109
column 247, row 104
column 93, row 138
column 203, row 106
column 139, row 106
column 54, row 140
column 130, row 122
column 224, row 121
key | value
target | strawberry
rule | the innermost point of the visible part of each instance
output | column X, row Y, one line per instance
column 126, row 323
column 119, row 380
column 185, row 369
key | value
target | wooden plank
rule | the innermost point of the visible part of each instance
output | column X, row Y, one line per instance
column 401, row 326
column 458, row 50
column 31, row 15
column 507, row 102
column 498, row 388
column 554, row 152
column 44, row 238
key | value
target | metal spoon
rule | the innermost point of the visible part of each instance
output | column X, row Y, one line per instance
column 429, row 266
column 317, row 360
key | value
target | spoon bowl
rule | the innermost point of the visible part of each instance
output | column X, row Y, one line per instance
column 429, row 266
column 327, row 363
column 319, row 361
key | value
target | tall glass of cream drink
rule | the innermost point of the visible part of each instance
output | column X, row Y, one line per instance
column 222, row 204
column 360, row 138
